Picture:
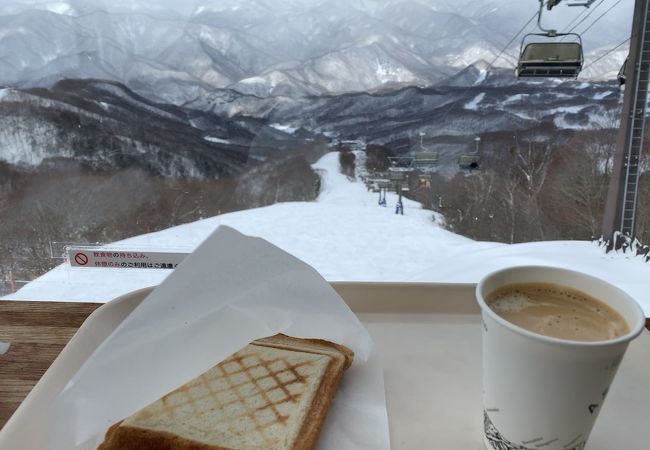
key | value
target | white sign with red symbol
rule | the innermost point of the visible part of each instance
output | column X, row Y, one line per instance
column 81, row 258
column 122, row 259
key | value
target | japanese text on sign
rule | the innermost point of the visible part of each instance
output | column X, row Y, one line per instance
column 79, row 257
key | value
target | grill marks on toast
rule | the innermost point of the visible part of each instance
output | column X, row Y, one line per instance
column 249, row 393
column 244, row 367
column 269, row 395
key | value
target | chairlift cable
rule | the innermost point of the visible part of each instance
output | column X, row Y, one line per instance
column 585, row 17
column 453, row 103
column 607, row 53
column 514, row 37
column 600, row 17
column 583, row 10
column 512, row 40
column 505, row 47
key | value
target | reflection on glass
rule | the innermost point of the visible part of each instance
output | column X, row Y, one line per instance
column 120, row 119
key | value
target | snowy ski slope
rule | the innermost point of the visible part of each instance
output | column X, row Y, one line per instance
column 346, row 236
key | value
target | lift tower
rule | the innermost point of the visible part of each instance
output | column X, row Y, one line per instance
column 620, row 209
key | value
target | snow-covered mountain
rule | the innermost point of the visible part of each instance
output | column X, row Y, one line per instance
column 476, row 102
column 175, row 53
column 104, row 124
column 607, row 67
column 359, row 68
column 220, row 78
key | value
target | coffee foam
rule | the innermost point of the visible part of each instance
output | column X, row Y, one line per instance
column 557, row 311
column 514, row 303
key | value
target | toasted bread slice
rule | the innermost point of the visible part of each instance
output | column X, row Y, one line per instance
column 271, row 395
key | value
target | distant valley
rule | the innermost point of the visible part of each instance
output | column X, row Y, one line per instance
column 105, row 124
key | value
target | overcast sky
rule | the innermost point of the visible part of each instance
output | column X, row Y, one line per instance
column 517, row 7
column 616, row 22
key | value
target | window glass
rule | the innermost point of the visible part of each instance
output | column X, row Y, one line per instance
column 376, row 140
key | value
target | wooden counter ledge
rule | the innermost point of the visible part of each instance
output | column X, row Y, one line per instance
column 37, row 331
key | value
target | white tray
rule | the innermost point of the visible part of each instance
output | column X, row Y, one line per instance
column 429, row 339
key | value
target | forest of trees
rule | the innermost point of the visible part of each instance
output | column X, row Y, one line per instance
column 530, row 190
column 63, row 201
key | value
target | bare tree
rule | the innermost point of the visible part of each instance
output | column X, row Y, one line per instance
column 531, row 165
column 510, row 201
column 579, row 190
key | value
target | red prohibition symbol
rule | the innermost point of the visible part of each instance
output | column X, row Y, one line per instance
column 81, row 259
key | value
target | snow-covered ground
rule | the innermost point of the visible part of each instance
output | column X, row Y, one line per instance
column 216, row 140
column 473, row 104
column 285, row 128
column 347, row 236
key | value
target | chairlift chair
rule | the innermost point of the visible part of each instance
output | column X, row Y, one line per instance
column 400, row 163
column 425, row 160
column 551, row 58
column 469, row 162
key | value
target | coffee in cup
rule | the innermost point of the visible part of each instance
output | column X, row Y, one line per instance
column 543, row 386
column 557, row 311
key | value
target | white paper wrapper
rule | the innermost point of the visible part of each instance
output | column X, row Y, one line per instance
column 232, row 290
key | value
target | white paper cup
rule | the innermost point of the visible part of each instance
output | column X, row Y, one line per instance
column 541, row 392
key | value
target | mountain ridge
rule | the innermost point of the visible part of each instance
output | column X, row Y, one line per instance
column 267, row 48
column 217, row 136
column 103, row 123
